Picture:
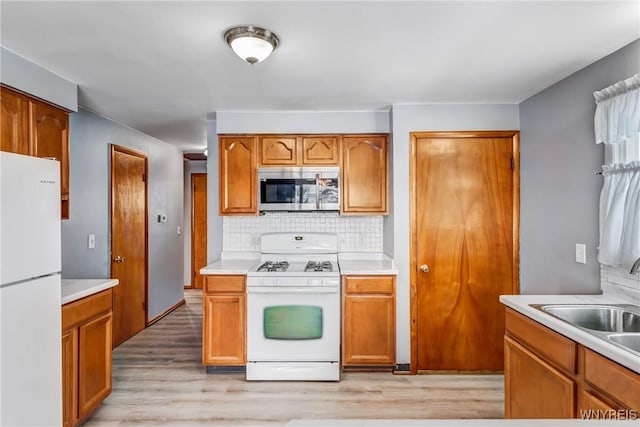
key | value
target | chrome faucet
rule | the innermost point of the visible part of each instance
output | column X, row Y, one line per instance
column 635, row 267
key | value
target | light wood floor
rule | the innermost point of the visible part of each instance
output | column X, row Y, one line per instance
column 158, row 379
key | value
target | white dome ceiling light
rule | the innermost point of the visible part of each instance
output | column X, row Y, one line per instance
column 252, row 44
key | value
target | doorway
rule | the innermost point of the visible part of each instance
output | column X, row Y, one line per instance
column 128, row 242
column 198, row 228
column 464, row 247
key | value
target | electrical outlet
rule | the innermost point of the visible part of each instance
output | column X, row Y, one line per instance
column 581, row 253
column 91, row 241
column 179, row 230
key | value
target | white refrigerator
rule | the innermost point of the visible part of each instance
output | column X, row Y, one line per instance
column 30, row 312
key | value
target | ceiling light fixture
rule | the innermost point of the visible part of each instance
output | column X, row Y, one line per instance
column 252, row 44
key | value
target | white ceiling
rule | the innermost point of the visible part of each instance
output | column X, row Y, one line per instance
column 162, row 67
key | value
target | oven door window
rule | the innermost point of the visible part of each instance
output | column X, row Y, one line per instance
column 292, row 322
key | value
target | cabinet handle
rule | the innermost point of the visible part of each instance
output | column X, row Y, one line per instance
column 318, row 191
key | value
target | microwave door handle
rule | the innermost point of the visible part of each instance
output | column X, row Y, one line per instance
column 318, row 191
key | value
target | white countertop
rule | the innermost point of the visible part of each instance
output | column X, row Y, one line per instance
column 229, row 266
column 374, row 263
column 520, row 303
column 74, row 289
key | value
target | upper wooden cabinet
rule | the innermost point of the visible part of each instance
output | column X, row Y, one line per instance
column 364, row 174
column 35, row 128
column 14, row 122
column 299, row 150
column 238, row 181
column 320, row 150
column 278, row 151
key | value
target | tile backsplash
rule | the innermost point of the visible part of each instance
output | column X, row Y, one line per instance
column 355, row 233
column 618, row 280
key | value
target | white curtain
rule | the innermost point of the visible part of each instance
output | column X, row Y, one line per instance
column 620, row 215
column 617, row 124
column 617, row 116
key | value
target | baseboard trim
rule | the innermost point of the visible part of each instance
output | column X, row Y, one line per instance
column 167, row 311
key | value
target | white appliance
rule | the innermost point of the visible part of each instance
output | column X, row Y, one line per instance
column 30, row 286
column 293, row 309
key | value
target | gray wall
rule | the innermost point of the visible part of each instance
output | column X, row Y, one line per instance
column 90, row 139
column 559, row 191
column 430, row 117
column 22, row 74
column 190, row 166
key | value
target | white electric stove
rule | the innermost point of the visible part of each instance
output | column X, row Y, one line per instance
column 293, row 309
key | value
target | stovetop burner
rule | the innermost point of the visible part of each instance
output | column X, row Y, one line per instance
column 319, row 266
column 277, row 267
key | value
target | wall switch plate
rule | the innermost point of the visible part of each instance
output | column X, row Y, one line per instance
column 91, row 241
column 581, row 253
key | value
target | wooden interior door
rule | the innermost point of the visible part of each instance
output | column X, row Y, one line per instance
column 465, row 238
column 198, row 227
column 128, row 242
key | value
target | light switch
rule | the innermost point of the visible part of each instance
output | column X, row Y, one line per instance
column 581, row 253
column 91, row 241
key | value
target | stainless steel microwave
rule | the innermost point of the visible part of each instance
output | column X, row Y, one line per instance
column 299, row 189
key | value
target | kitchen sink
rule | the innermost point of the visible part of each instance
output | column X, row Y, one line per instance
column 630, row 341
column 618, row 324
column 606, row 318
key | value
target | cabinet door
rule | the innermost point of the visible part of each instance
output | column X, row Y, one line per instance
column 238, row 175
column 369, row 320
column 14, row 122
column 276, row 151
column 533, row 388
column 320, row 150
column 224, row 329
column 94, row 368
column 591, row 406
column 364, row 174
column 69, row 377
column 50, row 138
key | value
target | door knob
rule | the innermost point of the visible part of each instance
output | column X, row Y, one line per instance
column 424, row 268
column 118, row 259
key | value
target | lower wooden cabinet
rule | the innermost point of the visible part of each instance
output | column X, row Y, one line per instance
column 535, row 389
column 86, row 355
column 224, row 321
column 550, row 376
column 368, row 321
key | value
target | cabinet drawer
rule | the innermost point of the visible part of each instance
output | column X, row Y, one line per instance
column 77, row 312
column 612, row 379
column 224, row 284
column 368, row 284
column 549, row 344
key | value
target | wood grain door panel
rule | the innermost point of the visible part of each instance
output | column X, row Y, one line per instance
column 198, row 227
column 128, row 242
column 224, row 330
column 463, row 230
